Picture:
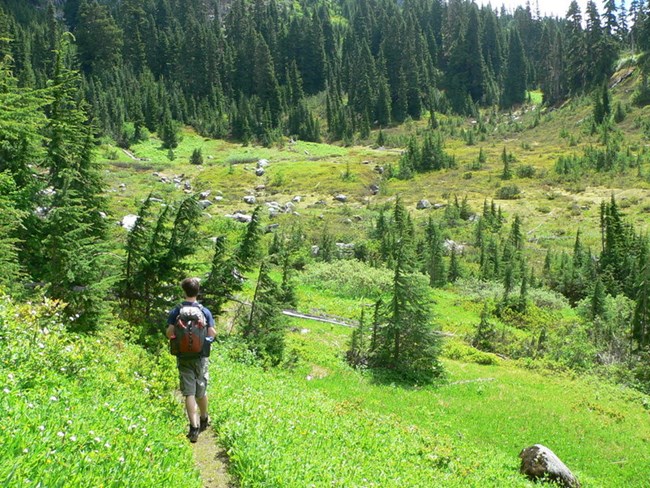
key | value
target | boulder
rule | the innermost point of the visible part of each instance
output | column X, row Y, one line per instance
column 240, row 217
column 259, row 171
column 205, row 203
column 250, row 199
column 341, row 198
column 374, row 189
column 260, row 188
column 296, row 199
column 262, row 163
column 128, row 221
column 540, row 463
column 204, row 194
column 271, row 228
column 218, row 198
column 423, row 204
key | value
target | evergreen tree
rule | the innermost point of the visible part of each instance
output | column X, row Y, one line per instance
column 262, row 329
column 514, row 85
column 250, row 250
column 98, row 37
column 485, row 334
column 223, row 279
column 641, row 317
column 407, row 343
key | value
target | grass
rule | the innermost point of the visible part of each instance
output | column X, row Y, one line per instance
column 83, row 411
column 322, row 424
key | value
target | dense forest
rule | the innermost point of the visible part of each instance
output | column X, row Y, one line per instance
column 243, row 69
column 260, row 71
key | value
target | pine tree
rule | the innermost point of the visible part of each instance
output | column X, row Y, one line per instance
column 263, row 329
column 641, row 317
column 485, row 334
column 196, row 157
column 223, row 279
column 250, row 250
column 514, row 85
column 407, row 343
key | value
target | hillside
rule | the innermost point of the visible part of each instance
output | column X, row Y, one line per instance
column 422, row 228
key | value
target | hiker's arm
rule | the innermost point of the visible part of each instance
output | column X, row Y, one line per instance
column 170, row 331
column 212, row 332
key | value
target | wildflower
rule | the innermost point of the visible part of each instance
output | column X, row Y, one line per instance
column 60, row 434
column 7, row 390
column 25, row 451
column 41, row 428
column 107, row 445
column 10, row 376
column 53, row 398
column 121, row 459
column 30, row 405
column 97, row 439
column 73, row 438
column 147, row 449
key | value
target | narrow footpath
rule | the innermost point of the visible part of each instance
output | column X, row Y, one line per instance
column 212, row 461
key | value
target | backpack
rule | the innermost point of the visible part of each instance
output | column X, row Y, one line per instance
column 190, row 329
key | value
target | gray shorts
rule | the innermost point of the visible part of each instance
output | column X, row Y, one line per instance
column 193, row 376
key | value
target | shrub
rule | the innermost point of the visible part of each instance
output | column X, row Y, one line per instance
column 526, row 171
column 460, row 351
column 508, row 192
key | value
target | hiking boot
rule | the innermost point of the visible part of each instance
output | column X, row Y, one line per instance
column 205, row 422
column 193, row 434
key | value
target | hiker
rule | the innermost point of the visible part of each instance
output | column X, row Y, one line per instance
column 192, row 367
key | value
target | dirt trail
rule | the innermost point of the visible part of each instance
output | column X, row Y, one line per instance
column 210, row 458
column 212, row 461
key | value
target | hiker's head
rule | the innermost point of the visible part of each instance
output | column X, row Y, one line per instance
column 191, row 287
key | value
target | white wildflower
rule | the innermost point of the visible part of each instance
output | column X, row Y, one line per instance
column 53, row 398
column 41, row 428
column 60, row 434
column 7, row 390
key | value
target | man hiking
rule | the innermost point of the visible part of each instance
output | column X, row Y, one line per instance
column 190, row 329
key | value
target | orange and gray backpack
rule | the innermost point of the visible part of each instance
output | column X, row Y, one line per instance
column 190, row 331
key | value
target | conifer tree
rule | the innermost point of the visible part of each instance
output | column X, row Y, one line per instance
column 514, row 85
column 250, row 250
column 223, row 279
column 262, row 329
column 641, row 317
column 407, row 343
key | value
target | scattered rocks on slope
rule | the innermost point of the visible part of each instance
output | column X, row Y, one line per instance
column 423, row 204
column 205, row 203
column 250, row 199
column 540, row 463
column 341, row 198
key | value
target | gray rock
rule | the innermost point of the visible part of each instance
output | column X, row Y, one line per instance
column 250, row 199
column 240, row 217
column 218, row 198
column 540, row 463
column 453, row 246
column 272, row 228
column 204, row 194
column 374, row 189
column 423, row 204
column 260, row 188
column 187, row 185
column 128, row 221
column 341, row 198
column 315, row 250
column 262, row 163
column 259, row 171
column 103, row 215
column 379, row 169
column 296, row 199
column 205, row 203
column 438, row 206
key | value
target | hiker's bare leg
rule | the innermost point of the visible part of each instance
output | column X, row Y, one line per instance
column 190, row 407
column 203, row 405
